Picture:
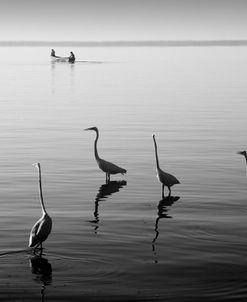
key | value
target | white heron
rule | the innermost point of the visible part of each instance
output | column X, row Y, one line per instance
column 243, row 153
column 42, row 227
column 106, row 166
column 166, row 179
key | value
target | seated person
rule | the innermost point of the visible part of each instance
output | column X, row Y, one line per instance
column 53, row 53
column 71, row 57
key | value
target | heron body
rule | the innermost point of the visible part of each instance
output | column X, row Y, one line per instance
column 107, row 167
column 166, row 179
column 40, row 231
column 42, row 228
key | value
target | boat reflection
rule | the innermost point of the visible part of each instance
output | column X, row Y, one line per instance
column 163, row 209
column 55, row 76
column 42, row 270
column 104, row 192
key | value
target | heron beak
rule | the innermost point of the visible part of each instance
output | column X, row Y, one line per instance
column 240, row 152
column 90, row 128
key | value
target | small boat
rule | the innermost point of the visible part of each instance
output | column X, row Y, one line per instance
column 59, row 59
column 55, row 58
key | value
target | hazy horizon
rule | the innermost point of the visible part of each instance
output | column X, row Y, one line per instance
column 137, row 43
column 108, row 20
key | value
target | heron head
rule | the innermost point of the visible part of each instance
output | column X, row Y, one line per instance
column 92, row 128
column 37, row 165
column 242, row 153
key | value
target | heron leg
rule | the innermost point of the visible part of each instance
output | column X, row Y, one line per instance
column 41, row 249
column 169, row 188
column 38, row 250
column 107, row 177
column 35, row 249
column 163, row 187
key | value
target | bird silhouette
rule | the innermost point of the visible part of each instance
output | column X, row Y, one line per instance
column 163, row 209
column 104, row 192
column 42, row 270
column 106, row 166
column 166, row 179
column 42, row 227
column 244, row 154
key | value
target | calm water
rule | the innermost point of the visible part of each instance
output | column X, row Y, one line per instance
column 121, row 242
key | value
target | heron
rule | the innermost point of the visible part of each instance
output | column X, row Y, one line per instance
column 106, row 166
column 166, row 179
column 243, row 153
column 42, row 228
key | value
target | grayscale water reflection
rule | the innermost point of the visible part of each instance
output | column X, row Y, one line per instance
column 120, row 242
column 104, row 192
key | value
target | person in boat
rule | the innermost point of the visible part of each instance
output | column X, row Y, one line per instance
column 71, row 57
column 53, row 53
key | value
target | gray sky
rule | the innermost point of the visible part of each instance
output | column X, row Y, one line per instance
column 87, row 20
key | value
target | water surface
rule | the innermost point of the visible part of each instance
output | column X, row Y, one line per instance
column 121, row 241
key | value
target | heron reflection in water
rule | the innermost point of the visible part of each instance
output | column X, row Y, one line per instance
column 42, row 270
column 163, row 209
column 104, row 192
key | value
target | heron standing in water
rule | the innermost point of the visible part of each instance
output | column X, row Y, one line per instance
column 166, row 179
column 42, row 227
column 106, row 166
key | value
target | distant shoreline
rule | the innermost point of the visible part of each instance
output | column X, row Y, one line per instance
column 170, row 43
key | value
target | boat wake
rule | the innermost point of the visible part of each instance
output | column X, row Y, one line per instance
column 90, row 62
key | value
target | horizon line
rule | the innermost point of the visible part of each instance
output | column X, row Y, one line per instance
column 129, row 43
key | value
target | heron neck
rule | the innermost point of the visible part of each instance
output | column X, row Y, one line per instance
column 245, row 164
column 95, row 146
column 156, row 154
column 41, row 194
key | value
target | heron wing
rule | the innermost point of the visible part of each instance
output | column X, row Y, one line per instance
column 33, row 239
column 40, row 231
column 167, row 179
column 109, row 167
